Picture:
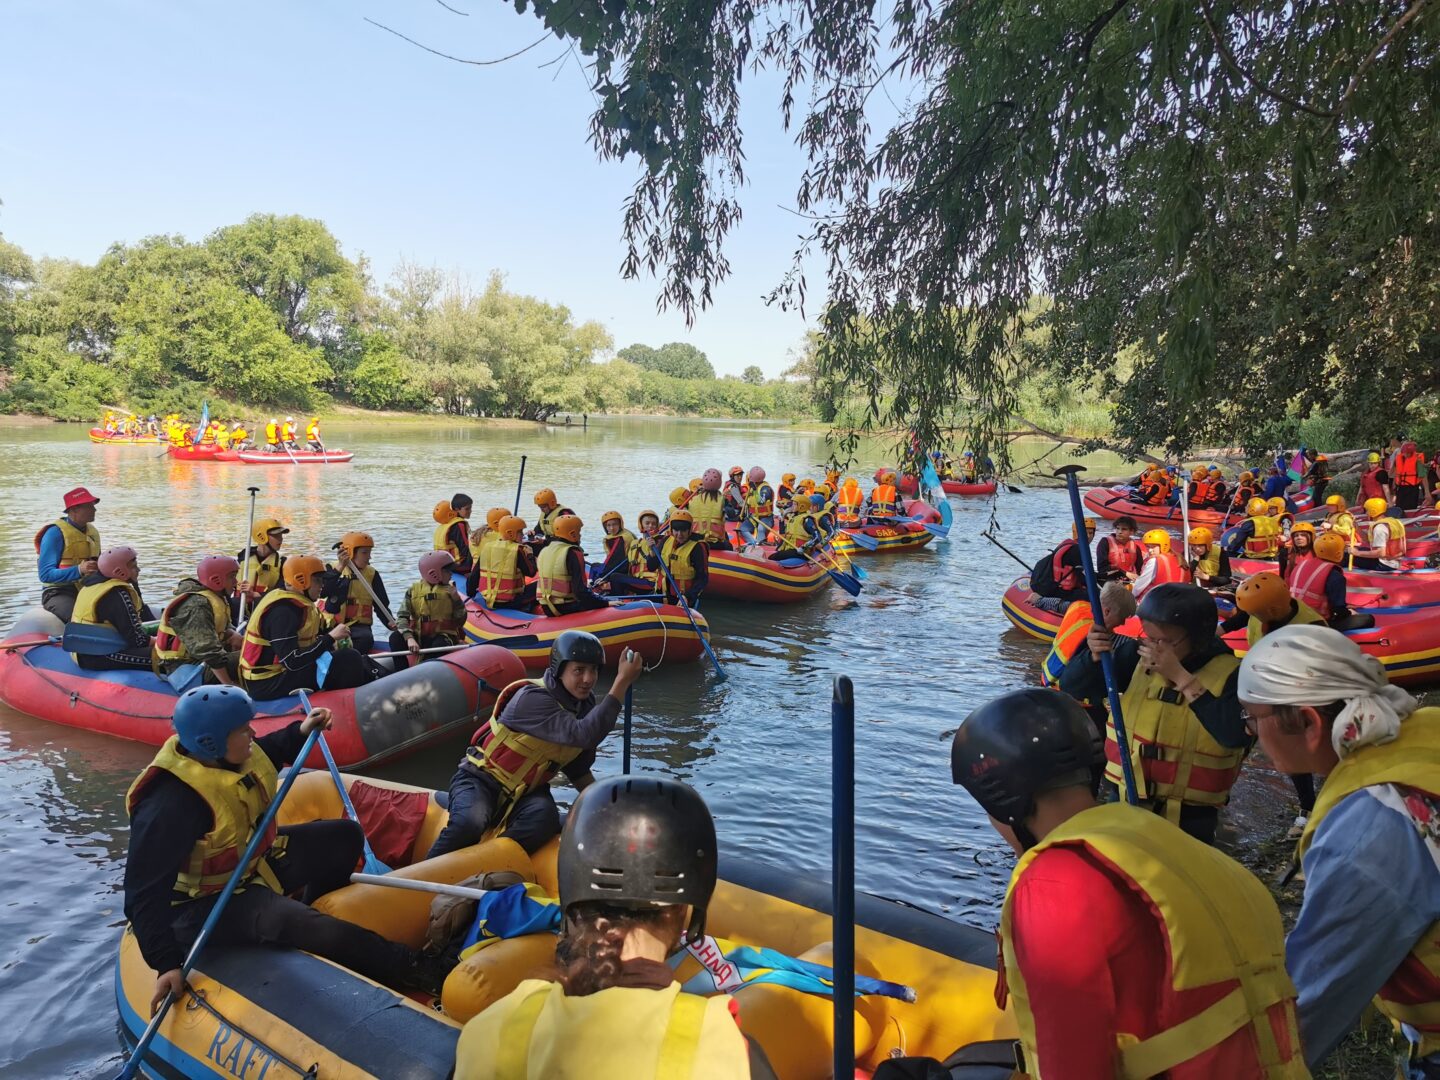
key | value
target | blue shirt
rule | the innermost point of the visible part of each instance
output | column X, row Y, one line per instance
column 1371, row 892
column 1275, row 486
column 52, row 546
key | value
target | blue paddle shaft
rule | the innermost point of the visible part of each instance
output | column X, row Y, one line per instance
column 370, row 859
column 1107, row 661
column 842, row 870
column 629, row 716
column 680, row 599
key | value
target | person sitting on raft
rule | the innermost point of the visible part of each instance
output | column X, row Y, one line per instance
column 192, row 812
column 1387, row 543
column 265, row 563
column 686, row 558
column 644, row 579
column 1258, row 536
column 538, row 727
column 550, row 512
column 1245, row 489
column 195, row 625
column 563, row 584
column 759, row 509
column 884, row 500
column 734, row 492
column 805, row 531
column 1298, row 545
column 284, row 641
column 452, row 530
column 618, row 542
column 346, row 600
column 1126, row 947
column 1338, row 518
column 1206, row 561
column 1219, row 488
column 66, row 551
column 110, row 597
column 1119, row 556
column 312, row 436
column 1065, row 582
column 1154, row 487
column 1187, row 737
column 1161, row 565
column 432, row 612
column 504, row 566
column 849, row 502
column 1370, row 922
column 1200, row 492
column 480, row 539
column 707, row 509
column 627, row 908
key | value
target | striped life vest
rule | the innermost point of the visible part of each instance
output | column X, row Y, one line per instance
column 520, row 763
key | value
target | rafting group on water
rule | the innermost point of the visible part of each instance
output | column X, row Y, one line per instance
column 486, row 938
column 221, row 441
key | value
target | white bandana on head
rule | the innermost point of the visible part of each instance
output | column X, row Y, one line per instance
column 1314, row 665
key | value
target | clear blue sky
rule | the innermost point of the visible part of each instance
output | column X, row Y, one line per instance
column 125, row 118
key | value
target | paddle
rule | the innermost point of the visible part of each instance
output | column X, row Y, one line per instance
column 680, row 599
column 629, row 717
column 845, row 581
column 940, row 532
column 372, row 864
column 842, row 871
column 519, row 486
column 262, row 827
column 416, row 885
column 1007, row 551
column 358, row 576
column 869, row 543
column 1107, row 659
column 249, row 547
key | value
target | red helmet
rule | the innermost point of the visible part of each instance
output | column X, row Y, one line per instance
column 435, row 567
column 756, row 474
column 115, row 564
column 214, row 572
column 710, row 481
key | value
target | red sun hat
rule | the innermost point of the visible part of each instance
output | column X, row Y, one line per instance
column 79, row 497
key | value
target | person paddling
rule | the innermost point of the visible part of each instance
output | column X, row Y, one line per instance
column 66, row 552
column 346, row 598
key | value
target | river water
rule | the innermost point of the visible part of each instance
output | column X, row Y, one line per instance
column 924, row 643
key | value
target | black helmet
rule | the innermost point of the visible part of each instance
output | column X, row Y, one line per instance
column 639, row 842
column 1019, row 744
column 577, row 645
column 1189, row 607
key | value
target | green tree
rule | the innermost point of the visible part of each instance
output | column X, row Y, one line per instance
column 677, row 359
column 753, row 375
column 16, row 270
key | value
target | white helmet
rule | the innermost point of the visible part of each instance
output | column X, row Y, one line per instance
column 289, row 419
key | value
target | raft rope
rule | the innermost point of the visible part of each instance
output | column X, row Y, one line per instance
column 197, row 1000
column 664, row 635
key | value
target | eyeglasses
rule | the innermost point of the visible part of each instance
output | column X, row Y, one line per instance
column 1252, row 720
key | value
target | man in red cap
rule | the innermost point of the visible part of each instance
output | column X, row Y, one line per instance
column 66, row 551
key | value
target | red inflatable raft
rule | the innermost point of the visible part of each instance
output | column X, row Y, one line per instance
column 735, row 576
column 909, row 486
column 1407, row 642
column 387, row 719
column 1368, row 588
column 100, row 435
column 658, row 632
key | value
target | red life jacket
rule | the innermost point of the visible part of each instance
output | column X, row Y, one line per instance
column 1067, row 577
column 1307, row 577
column 1167, row 569
column 1126, row 555
column 1202, row 492
column 1370, row 487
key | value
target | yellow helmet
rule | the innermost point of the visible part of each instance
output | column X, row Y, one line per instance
column 300, row 569
column 263, row 528
column 545, row 497
column 1247, row 477
column 1157, row 538
column 567, row 527
column 1215, row 471
column 495, row 516
column 788, row 478
column 808, row 486
column 888, row 476
column 825, row 489
column 678, row 496
column 609, row 516
column 647, row 514
column 1200, row 536
column 1330, row 547
column 683, row 515
column 352, row 540
column 1257, row 507
column 1198, row 473
column 1265, row 596
column 1089, row 529
column 695, row 484
column 511, row 528
column 443, row 513
column 1303, row 527
column 1373, row 459
column 1337, row 502
column 1376, row 507
column 1276, row 506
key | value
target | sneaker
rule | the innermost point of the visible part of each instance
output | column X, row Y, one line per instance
column 427, row 973
column 1297, row 828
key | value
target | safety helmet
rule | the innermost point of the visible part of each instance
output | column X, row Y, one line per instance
column 1214, row 470
column 710, row 480
column 1089, row 529
column 1021, row 744
column 289, row 419
column 1198, row 473
column 205, row 716
column 545, row 497
column 511, row 528
column 1276, row 506
column 1302, row 527
column 435, row 567
column 807, row 485
column 1257, row 507
column 579, row 646
column 495, row 515
column 1376, row 507
column 214, row 572
column 681, row 517
column 968, row 453
column 609, row 516
column 300, row 569
column 756, row 475
column 825, row 489
column 1200, row 536
column 736, row 470
column 788, row 478
column 1373, row 459
column 651, row 514
column 115, row 564
column 443, row 513
column 1247, row 477
column 351, row 541
column 1265, row 596
column 694, row 484
column 817, row 501
column 567, row 527
column 1157, row 538
column 263, row 528
column 1336, row 502
column 851, row 484
column 678, row 496
column 1187, row 607
column 888, row 476
column 643, row 842
column 1330, row 547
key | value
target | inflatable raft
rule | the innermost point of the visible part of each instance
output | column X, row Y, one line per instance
column 1409, row 588
column 259, row 1011
column 294, row 457
column 658, row 632
column 909, row 486
column 1405, row 640
column 1121, row 502
column 895, row 537
column 387, row 719
column 735, row 576
column 100, row 435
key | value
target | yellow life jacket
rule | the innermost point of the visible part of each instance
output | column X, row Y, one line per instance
column 1209, row 564
column 312, row 431
column 238, row 435
column 1174, row 757
column 265, row 574
column 480, row 539
column 1411, row 760
column 677, row 561
column 444, row 541
column 272, row 433
column 237, row 799
column 359, row 608
column 519, row 763
column 222, row 438
column 90, row 597
column 1304, row 615
column 546, row 524
column 1265, row 542
column 168, row 645
column 795, row 535
column 640, row 561
column 1221, row 927
column 708, row 510
column 1395, row 538
column 257, row 654
column 434, row 610
column 79, row 546
column 536, row 1032
column 500, row 578
column 554, row 587
column 761, row 500
column 1343, row 523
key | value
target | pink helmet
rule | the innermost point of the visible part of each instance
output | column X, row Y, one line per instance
column 756, row 475
column 710, row 481
column 115, row 564
column 435, row 567
column 214, row 572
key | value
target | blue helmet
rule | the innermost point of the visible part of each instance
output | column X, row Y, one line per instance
column 205, row 717
column 817, row 502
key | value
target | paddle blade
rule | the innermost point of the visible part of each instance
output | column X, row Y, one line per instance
column 845, row 581
column 90, row 640
column 869, row 543
column 938, row 531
